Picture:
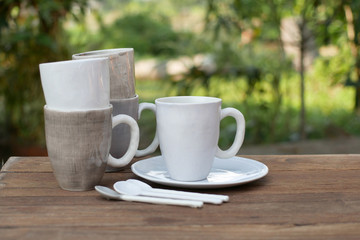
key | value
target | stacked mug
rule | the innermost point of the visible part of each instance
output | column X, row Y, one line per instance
column 122, row 97
column 79, row 122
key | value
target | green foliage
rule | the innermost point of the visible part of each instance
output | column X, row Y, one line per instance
column 145, row 26
column 242, row 37
column 329, row 108
column 336, row 69
column 30, row 33
column 152, row 35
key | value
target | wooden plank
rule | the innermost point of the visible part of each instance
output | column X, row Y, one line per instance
column 281, row 182
column 196, row 231
column 311, row 162
column 24, row 164
column 278, row 162
column 303, row 197
column 33, row 164
column 67, row 215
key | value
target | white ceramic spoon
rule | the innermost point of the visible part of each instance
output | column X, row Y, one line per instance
column 130, row 188
column 111, row 194
column 200, row 196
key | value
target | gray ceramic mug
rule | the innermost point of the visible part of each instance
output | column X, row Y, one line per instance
column 78, row 144
column 121, row 133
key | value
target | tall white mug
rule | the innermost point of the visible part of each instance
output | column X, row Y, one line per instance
column 76, row 85
column 188, row 131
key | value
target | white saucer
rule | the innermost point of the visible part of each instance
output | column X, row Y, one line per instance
column 224, row 173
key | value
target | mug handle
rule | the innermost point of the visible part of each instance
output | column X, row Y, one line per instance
column 155, row 143
column 240, row 133
column 134, row 140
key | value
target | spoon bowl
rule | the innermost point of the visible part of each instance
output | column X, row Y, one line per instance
column 128, row 188
column 108, row 193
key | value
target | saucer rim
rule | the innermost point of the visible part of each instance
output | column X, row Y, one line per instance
column 201, row 184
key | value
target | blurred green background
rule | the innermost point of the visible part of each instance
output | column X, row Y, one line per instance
column 291, row 67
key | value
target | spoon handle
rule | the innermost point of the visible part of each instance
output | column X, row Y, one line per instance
column 162, row 194
column 154, row 200
column 223, row 198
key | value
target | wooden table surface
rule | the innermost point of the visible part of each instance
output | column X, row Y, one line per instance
column 302, row 197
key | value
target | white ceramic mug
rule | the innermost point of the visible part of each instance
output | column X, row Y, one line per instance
column 76, row 85
column 188, row 131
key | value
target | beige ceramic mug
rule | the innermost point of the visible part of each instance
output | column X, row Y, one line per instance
column 121, row 70
column 78, row 144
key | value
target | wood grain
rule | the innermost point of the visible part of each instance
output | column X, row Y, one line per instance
column 302, row 197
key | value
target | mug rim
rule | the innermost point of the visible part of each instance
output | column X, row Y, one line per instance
column 79, row 61
column 47, row 108
column 102, row 53
column 135, row 97
column 188, row 100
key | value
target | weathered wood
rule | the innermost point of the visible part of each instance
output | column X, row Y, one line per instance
column 302, row 197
